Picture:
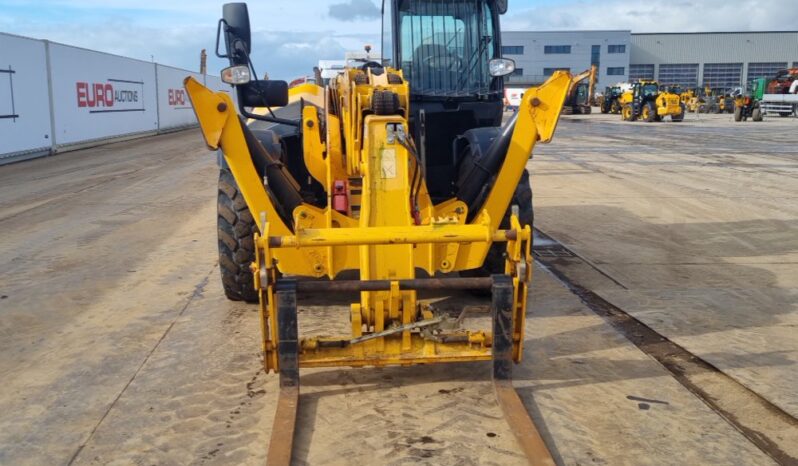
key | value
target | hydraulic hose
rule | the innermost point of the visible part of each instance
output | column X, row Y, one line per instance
column 280, row 184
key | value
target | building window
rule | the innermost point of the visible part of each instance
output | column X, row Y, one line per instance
column 517, row 72
column 512, row 49
column 722, row 76
column 764, row 70
column 683, row 74
column 616, row 48
column 550, row 49
column 550, row 71
column 616, row 71
column 641, row 72
column 595, row 55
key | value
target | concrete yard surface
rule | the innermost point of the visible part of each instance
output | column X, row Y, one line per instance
column 697, row 225
column 119, row 346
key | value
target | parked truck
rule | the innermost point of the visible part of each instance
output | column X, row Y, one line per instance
column 776, row 96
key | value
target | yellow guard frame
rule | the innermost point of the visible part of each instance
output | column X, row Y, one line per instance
column 384, row 242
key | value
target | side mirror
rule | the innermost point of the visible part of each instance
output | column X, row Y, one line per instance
column 263, row 93
column 237, row 37
column 501, row 6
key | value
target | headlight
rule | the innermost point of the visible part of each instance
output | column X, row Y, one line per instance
column 236, row 75
column 501, row 67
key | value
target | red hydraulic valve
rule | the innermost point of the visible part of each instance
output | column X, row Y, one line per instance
column 340, row 196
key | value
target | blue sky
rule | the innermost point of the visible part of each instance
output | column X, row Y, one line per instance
column 290, row 36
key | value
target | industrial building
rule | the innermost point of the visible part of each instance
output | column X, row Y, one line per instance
column 538, row 54
column 720, row 60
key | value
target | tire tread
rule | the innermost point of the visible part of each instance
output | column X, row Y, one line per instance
column 235, row 229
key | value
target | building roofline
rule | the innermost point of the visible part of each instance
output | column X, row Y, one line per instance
column 572, row 30
column 713, row 32
column 651, row 33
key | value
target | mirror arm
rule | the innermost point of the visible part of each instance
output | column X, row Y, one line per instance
column 218, row 34
column 241, row 51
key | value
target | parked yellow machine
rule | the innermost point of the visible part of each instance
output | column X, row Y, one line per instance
column 581, row 95
column 723, row 103
column 647, row 102
column 694, row 100
column 352, row 177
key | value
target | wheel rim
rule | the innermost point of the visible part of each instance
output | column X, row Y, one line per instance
column 646, row 113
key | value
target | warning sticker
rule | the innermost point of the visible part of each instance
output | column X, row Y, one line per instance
column 388, row 163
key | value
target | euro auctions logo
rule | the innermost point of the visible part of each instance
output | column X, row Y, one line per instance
column 113, row 95
column 178, row 99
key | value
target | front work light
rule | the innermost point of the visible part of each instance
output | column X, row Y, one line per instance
column 236, row 75
column 501, row 67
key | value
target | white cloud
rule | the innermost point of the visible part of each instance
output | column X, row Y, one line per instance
column 658, row 16
column 288, row 38
column 353, row 10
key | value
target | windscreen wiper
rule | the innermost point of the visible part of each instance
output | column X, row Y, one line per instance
column 483, row 44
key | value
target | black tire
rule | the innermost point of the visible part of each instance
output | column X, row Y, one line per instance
column 652, row 112
column 628, row 113
column 394, row 78
column 235, row 230
column 679, row 117
column 360, row 78
column 756, row 114
column 738, row 114
column 384, row 103
column 494, row 261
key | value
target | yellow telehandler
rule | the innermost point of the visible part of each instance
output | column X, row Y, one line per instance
column 647, row 102
column 404, row 175
column 694, row 100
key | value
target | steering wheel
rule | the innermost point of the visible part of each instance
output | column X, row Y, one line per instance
column 449, row 62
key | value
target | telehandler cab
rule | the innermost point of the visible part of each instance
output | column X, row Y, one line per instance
column 403, row 175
